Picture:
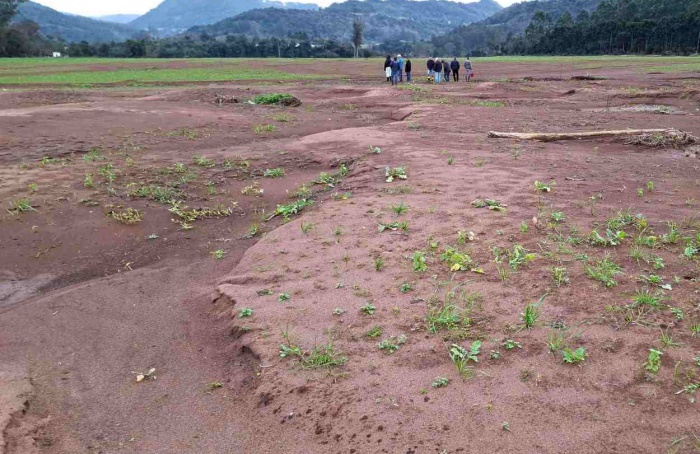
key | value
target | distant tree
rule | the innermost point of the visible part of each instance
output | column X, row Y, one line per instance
column 358, row 30
column 8, row 8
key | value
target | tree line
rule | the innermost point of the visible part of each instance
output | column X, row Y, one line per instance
column 614, row 27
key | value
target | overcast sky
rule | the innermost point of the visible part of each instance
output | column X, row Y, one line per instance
column 104, row 7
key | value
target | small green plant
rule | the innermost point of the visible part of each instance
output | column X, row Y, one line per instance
column 673, row 235
column 419, row 262
column 254, row 190
column 368, row 309
column 89, row 182
column 306, row 227
column 557, row 217
column 640, row 192
column 544, row 187
column 393, row 173
column 653, row 363
column 695, row 329
column 450, row 161
column 678, row 313
column 555, row 341
column 94, row 154
column 47, row 160
column 503, row 273
column 259, row 129
column 274, row 98
column 202, row 161
column 510, row 344
column 519, row 256
column 524, row 228
column 461, row 356
column 274, row 173
column 560, row 276
column 245, row 312
column 405, row 287
column 456, row 260
column 283, row 297
column 650, row 186
column 604, row 270
column 288, row 210
column 378, row 264
column 129, row 216
column 20, row 206
column 219, row 254
column 491, row 204
column 440, row 382
column 574, row 356
column 391, row 344
column 532, row 313
column 376, row 331
column 647, row 298
column 667, row 341
column 400, row 208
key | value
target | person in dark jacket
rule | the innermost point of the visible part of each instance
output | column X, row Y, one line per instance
column 395, row 68
column 446, row 68
column 437, row 69
column 431, row 67
column 387, row 64
column 454, row 66
column 408, row 70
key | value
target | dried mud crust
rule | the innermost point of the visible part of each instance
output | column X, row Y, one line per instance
column 120, row 303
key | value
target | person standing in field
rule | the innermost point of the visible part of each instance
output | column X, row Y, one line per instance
column 394, row 72
column 467, row 69
column 431, row 67
column 400, row 60
column 446, row 68
column 437, row 69
column 408, row 71
column 387, row 68
column 454, row 66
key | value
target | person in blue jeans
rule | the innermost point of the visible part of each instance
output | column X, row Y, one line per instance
column 408, row 71
column 394, row 72
column 438, row 70
column 400, row 60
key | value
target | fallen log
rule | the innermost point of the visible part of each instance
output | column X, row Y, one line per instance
column 551, row 137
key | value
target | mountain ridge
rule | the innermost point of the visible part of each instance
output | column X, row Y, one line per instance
column 175, row 16
column 72, row 28
column 404, row 20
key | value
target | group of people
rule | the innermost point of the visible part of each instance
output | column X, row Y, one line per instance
column 395, row 67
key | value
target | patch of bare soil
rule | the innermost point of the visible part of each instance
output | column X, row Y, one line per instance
column 383, row 317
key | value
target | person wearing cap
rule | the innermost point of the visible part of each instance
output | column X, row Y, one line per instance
column 400, row 59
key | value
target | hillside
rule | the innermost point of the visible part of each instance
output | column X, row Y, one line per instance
column 119, row 18
column 71, row 28
column 487, row 36
column 384, row 20
column 517, row 17
column 175, row 16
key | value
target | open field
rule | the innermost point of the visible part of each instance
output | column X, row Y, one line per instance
column 182, row 273
column 134, row 72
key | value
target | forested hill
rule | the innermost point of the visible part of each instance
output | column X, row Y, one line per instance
column 517, row 17
column 488, row 36
column 71, row 28
column 384, row 20
column 582, row 27
column 175, row 16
